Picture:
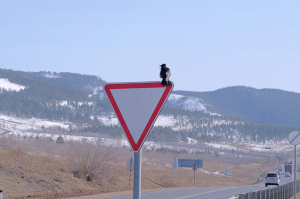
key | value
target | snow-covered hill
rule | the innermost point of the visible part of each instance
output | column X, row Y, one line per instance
column 36, row 128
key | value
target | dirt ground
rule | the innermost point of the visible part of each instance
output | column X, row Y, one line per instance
column 26, row 175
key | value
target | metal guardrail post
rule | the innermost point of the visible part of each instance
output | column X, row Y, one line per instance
column 291, row 190
column 260, row 194
column 281, row 192
column 247, row 196
column 288, row 191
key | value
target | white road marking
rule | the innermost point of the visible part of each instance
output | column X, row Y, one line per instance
column 204, row 193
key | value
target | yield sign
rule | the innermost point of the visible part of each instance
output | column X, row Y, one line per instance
column 137, row 105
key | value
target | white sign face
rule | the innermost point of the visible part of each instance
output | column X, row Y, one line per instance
column 137, row 106
column 294, row 137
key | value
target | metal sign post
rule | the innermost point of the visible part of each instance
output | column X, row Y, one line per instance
column 226, row 173
column 137, row 175
column 174, row 165
column 130, row 167
column 194, row 168
column 294, row 138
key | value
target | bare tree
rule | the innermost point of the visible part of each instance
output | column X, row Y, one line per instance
column 93, row 161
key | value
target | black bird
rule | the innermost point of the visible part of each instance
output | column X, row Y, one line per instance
column 165, row 74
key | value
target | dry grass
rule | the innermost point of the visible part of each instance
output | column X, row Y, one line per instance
column 28, row 175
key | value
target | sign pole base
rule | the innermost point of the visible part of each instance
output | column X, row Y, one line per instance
column 137, row 175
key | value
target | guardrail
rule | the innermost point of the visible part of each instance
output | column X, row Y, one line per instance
column 284, row 191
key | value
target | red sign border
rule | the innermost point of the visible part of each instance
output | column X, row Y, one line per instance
column 136, row 147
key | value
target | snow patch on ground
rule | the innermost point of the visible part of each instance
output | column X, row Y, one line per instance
column 279, row 146
column 215, row 114
column 205, row 171
column 174, row 97
column 20, row 127
column 247, row 146
column 107, row 121
column 9, row 86
column 95, row 92
column 186, row 103
column 9, row 123
column 88, row 103
column 51, row 76
column 165, row 121
column 176, row 124
column 191, row 140
column 63, row 103
column 170, row 121
column 223, row 146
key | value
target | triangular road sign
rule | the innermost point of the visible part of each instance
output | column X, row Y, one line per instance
column 137, row 105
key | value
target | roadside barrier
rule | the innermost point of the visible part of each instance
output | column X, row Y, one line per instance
column 284, row 191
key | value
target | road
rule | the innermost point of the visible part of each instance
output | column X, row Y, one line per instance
column 205, row 192
column 193, row 192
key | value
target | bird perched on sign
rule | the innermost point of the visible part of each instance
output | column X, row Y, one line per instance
column 165, row 74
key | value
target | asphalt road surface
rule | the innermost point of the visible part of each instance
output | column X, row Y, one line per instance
column 192, row 192
column 195, row 192
column 205, row 192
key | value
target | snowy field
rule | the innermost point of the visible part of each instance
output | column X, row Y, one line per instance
column 187, row 103
column 7, row 85
column 12, row 126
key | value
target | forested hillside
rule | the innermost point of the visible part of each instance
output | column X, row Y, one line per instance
column 60, row 99
column 247, row 114
column 263, row 105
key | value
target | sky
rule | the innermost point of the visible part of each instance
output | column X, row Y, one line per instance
column 208, row 45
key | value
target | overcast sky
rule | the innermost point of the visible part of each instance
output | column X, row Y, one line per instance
column 207, row 44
